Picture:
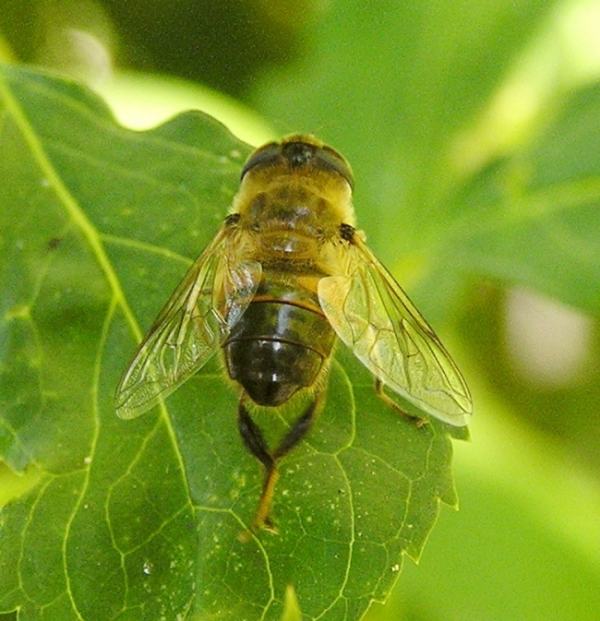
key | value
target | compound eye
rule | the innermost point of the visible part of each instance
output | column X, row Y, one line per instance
column 329, row 158
column 263, row 156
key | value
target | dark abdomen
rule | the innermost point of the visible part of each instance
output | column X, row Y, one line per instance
column 281, row 341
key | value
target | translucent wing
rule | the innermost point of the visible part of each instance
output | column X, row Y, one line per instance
column 211, row 297
column 373, row 316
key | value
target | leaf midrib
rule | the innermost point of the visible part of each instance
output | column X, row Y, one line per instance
column 89, row 232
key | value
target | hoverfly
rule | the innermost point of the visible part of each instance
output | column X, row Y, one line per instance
column 286, row 276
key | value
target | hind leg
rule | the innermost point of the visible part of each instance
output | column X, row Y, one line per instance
column 255, row 442
column 419, row 422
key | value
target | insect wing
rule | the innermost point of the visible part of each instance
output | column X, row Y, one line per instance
column 373, row 316
column 187, row 332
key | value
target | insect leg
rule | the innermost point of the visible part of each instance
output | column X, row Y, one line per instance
column 255, row 442
column 299, row 429
column 253, row 437
column 419, row 422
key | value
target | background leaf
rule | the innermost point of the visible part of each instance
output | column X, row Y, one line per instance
column 532, row 218
column 463, row 123
column 140, row 519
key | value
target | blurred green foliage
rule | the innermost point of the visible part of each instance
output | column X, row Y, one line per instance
column 488, row 109
column 223, row 44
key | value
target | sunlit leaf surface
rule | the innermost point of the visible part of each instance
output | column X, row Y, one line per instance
column 140, row 519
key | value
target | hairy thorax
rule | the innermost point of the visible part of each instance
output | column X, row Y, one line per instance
column 290, row 222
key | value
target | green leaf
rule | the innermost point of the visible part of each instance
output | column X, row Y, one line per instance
column 532, row 217
column 525, row 544
column 140, row 519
